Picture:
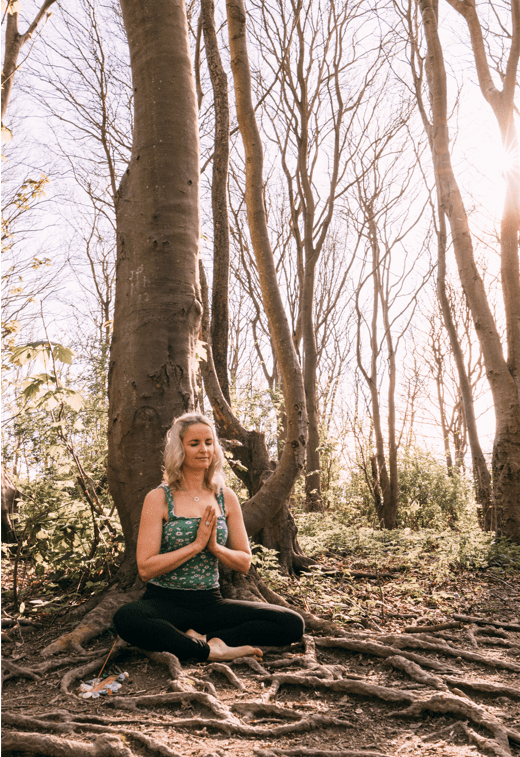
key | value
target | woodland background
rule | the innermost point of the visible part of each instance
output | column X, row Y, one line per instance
column 355, row 322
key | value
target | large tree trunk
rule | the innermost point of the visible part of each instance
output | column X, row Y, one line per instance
column 157, row 304
column 501, row 377
column 502, row 103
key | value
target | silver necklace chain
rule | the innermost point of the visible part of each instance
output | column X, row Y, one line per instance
column 196, row 499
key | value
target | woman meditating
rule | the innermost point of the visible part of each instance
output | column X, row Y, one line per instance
column 189, row 523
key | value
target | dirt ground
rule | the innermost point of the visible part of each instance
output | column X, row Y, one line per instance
column 372, row 688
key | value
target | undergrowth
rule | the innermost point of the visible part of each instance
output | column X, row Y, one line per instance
column 365, row 575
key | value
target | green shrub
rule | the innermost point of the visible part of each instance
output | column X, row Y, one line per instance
column 61, row 548
column 428, row 496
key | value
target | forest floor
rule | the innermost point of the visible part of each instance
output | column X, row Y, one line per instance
column 377, row 686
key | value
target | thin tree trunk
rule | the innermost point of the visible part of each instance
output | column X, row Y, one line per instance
column 14, row 41
column 279, row 486
column 385, row 485
column 157, row 303
column 444, row 427
column 248, row 448
column 392, row 499
column 250, row 460
column 313, row 500
column 481, row 474
column 220, row 298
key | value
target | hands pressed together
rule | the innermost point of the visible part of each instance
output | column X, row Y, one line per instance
column 207, row 531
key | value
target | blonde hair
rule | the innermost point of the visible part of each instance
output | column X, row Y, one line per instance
column 174, row 454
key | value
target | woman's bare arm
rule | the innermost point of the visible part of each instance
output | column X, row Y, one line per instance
column 236, row 554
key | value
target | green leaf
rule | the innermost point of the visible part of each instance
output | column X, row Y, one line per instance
column 56, row 451
column 73, row 399
column 49, row 402
column 63, row 354
column 26, row 352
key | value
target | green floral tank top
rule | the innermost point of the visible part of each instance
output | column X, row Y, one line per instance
column 201, row 572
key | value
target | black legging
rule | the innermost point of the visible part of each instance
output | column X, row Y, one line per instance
column 159, row 620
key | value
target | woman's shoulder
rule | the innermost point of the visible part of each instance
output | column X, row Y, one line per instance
column 230, row 498
column 157, row 495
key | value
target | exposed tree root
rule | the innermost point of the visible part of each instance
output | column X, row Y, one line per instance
column 73, row 725
column 226, row 671
column 487, row 745
column 497, row 689
column 179, row 698
column 400, row 641
column 449, row 704
column 35, row 673
column 251, row 663
column 169, row 660
column 249, row 710
column 299, row 665
column 490, row 631
column 432, row 629
column 381, row 650
column 96, row 622
column 305, row 752
column 343, row 685
column 105, row 745
column 487, row 622
column 11, row 670
column 416, row 672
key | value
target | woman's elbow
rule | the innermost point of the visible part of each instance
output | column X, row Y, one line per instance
column 246, row 564
column 144, row 572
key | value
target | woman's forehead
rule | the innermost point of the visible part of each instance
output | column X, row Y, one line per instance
column 198, row 431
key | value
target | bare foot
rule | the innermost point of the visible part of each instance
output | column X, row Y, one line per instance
column 220, row 651
column 195, row 635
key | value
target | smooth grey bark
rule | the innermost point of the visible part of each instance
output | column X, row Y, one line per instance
column 157, row 303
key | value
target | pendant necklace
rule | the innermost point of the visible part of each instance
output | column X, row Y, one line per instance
column 196, row 499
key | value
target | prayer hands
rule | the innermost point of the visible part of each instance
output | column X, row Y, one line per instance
column 207, row 530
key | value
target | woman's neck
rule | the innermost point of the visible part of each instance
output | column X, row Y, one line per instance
column 194, row 481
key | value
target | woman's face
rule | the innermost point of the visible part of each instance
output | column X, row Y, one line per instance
column 198, row 447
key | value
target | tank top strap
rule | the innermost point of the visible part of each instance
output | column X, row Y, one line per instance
column 220, row 500
column 169, row 500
